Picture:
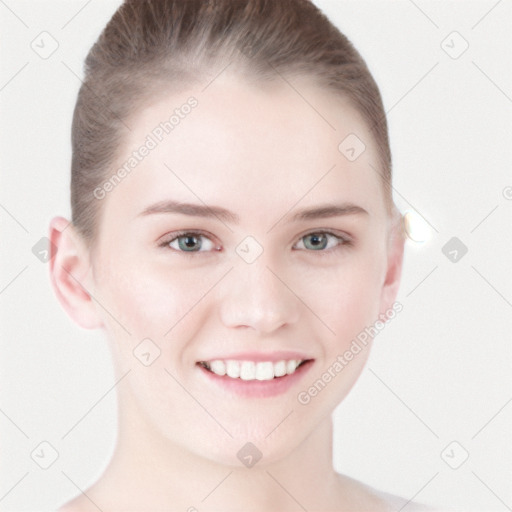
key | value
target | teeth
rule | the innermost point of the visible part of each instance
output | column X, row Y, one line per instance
column 264, row 371
column 218, row 367
column 250, row 370
column 233, row 369
column 280, row 368
column 291, row 366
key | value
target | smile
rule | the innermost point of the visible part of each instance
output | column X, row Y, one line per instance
column 252, row 370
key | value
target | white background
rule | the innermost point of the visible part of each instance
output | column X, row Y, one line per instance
column 440, row 372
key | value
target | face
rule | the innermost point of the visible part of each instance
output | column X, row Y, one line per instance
column 245, row 242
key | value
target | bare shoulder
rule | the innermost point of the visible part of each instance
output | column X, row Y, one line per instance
column 394, row 502
column 369, row 499
column 77, row 504
column 69, row 507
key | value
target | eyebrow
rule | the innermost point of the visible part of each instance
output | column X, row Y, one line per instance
column 205, row 211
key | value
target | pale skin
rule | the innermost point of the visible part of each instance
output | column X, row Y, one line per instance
column 262, row 153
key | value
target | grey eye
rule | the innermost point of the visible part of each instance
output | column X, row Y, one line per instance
column 320, row 240
column 191, row 242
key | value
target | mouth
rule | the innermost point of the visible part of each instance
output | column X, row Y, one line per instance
column 253, row 370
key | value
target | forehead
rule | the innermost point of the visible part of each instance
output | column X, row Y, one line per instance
column 243, row 144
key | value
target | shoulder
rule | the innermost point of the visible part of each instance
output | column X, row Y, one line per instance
column 67, row 507
column 394, row 502
column 375, row 500
column 75, row 505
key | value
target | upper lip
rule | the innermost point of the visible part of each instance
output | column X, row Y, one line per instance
column 273, row 357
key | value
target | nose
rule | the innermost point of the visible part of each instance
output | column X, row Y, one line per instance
column 256, row 296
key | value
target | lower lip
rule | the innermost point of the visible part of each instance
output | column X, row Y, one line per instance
column 258, row 388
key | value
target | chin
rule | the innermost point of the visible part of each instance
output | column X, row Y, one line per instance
column 246, row 450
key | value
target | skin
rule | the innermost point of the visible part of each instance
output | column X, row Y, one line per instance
column 262, row 152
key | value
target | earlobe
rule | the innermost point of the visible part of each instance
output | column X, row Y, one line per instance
column 396, row 246
column 70, row 273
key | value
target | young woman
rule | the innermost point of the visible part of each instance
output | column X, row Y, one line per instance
column 233, row 233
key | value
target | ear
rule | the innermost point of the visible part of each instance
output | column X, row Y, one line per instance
column 70, row 273
column 395, row 255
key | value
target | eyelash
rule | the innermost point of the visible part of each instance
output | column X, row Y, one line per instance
column 344, row 241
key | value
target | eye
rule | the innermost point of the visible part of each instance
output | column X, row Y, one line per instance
column 189, row 241
column 323, row 241
column 196, row 241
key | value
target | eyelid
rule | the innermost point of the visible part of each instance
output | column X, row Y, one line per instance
column 344, row 240
column 170, row 237
column 342, row 235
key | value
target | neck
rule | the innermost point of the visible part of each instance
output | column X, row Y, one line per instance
column 149, row 472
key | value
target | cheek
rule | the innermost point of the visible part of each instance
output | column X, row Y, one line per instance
column 347, row 300
column 147, row 301
column 348, row 304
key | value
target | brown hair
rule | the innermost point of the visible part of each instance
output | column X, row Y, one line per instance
column 149, row 43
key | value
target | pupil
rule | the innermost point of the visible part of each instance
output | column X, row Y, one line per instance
column 190, row 242
column 318, row 241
